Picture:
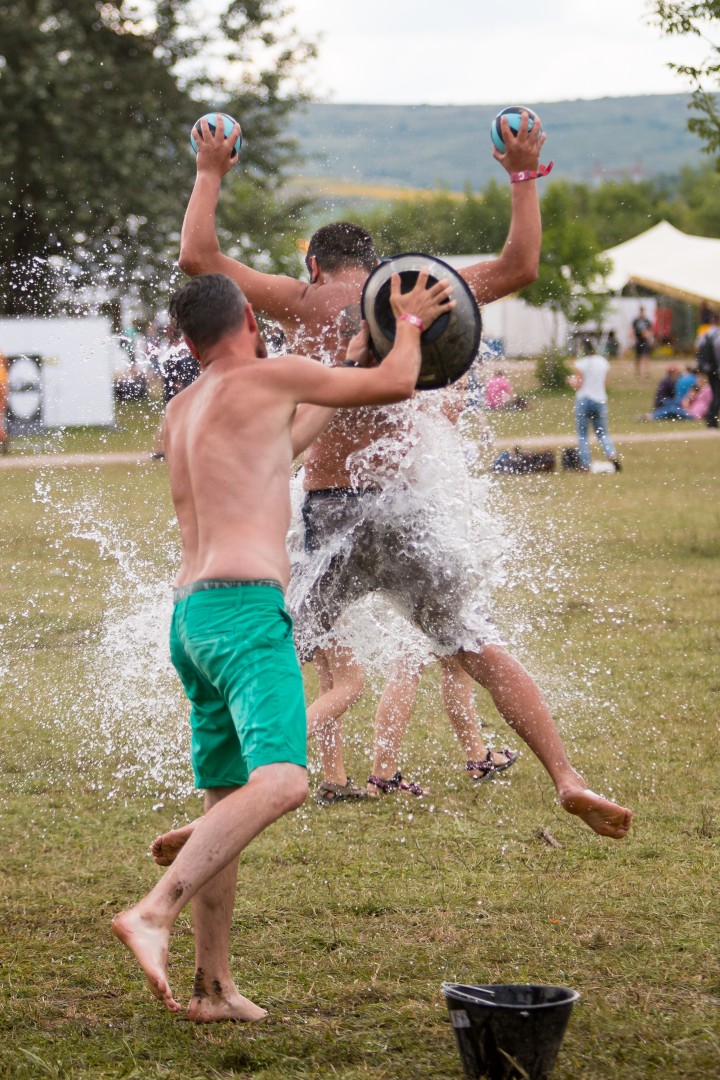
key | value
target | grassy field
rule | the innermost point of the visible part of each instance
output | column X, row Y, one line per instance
column 349, row 918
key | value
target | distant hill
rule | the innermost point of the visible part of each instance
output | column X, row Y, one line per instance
column 424, row 146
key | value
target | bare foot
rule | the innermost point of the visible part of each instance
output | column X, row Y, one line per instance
column 149, row 943
column 603, row 816
column 220, row 1002
column 165, row 848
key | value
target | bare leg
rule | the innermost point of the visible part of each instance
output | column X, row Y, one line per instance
column 392, row 719
column 215, row 995
column 217, row 839
column 458, row 694
column 520, row 703
column 342, row 682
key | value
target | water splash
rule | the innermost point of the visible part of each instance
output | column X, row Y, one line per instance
column 130, row 729
column 437, row 514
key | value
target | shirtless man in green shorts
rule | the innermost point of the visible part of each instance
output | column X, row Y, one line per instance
column 231, row 439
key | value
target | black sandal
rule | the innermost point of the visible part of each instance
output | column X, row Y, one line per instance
column 396, row 783
column 488, row 767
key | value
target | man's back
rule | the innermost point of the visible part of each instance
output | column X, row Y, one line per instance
column 232, row 502
column 229, row 436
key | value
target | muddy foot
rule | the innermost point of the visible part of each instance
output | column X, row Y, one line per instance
column 165, row 848
column 149, row 943
column 222, row 1002
column 603, row 817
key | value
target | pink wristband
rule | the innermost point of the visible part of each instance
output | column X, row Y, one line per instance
column 414, row 320
column 530, row 174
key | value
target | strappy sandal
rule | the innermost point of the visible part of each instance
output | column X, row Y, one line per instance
column 488, row 767
column 396, row 783
column 328, row 792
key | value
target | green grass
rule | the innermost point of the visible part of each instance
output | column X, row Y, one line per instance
column 348, row 919
column 135, row 423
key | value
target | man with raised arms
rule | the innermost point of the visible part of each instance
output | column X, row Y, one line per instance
column 230, row 440
column 339, row 258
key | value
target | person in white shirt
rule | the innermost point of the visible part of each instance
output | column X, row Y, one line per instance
column 588, row 380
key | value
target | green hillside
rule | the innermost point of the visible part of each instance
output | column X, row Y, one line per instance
column 429, row 145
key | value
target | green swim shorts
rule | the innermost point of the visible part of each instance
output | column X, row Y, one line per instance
column 231, row 644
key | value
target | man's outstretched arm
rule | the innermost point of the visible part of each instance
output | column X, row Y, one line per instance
column 517, row 266
column 274, row 295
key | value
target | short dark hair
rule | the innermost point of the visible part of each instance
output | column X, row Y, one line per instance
column 207, row 308
column 341, row 245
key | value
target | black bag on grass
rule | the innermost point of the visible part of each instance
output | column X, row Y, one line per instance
column 571, row 458
column 524, row 461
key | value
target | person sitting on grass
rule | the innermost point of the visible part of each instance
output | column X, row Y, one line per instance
column 665, row 390
column 697, row 401
column 499, row 394
column 674, row 408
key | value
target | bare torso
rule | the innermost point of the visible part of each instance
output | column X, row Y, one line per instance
column 330, row 317
column 232, row 502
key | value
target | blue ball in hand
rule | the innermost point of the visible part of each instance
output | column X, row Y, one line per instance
column 228, row 125
column 514, row 118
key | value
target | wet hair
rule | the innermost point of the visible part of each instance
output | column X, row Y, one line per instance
column 341, row 245
column 207, row 308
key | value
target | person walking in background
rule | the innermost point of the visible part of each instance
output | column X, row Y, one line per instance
column 642, row 329
column 708, row 360
column 588, row 380
column 3, row 404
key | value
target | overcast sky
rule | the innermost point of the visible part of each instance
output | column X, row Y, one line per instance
column 476, row 52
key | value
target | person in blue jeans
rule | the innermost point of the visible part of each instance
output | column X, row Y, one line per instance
column 589, row 380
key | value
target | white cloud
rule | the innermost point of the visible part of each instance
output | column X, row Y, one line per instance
column 465, row 51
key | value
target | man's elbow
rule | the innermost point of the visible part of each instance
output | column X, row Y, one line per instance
column 527, row 274
column 190, row 263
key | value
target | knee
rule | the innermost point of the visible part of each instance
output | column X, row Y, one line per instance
column 355, row 686
column 295, row 791
column 483, row 663
column 283, row 787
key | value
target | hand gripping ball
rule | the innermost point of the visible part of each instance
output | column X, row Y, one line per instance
column 514, row 118
column 228, row 125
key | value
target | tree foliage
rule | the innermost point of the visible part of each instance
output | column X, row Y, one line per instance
column 570, row 260
column 443, row 223
column 97, row 100
column 684, row 17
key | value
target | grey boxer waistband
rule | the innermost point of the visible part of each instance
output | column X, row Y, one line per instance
column 223, row 583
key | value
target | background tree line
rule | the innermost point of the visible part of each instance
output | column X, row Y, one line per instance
column 97, row 100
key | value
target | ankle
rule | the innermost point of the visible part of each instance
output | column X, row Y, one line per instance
column 569, row 780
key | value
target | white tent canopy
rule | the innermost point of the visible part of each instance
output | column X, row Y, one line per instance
column 669, row 262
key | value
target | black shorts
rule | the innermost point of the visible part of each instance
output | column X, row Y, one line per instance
column 363, row 550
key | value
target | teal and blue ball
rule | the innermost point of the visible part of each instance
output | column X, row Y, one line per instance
column 228, row 125
column 514, row 118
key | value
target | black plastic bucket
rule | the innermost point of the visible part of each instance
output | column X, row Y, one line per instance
column 508, row 1031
